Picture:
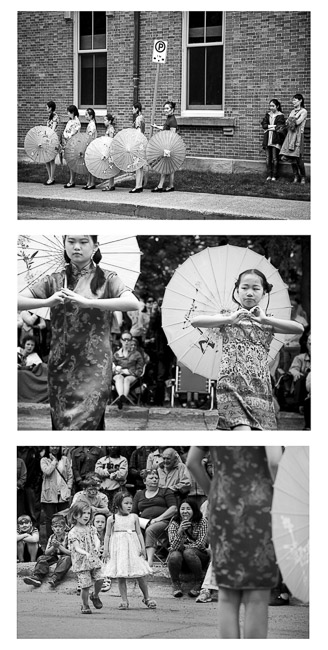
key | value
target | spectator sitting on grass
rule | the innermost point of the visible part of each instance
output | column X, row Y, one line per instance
column 27, row 540
column 56, row 553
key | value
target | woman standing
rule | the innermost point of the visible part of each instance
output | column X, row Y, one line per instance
column 73, row 126
column 240, row 534
column 52, row 123
column 292, row 148
column 57, row 481
column 110, row 132
column 138, row 123
column 92, row 134
column 79, row 366
column 170, row 124
column 274, row 125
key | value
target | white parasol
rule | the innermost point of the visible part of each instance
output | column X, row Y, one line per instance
column 203, row 284
column 41, row 144
column 166, row 152
column 129, row 150
column 99, row 160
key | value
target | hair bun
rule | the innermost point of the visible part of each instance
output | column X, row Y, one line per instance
column 269, row 287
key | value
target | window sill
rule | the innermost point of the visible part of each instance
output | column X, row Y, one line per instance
column 206, row 120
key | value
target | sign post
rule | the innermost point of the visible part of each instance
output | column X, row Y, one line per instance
column 159, row 56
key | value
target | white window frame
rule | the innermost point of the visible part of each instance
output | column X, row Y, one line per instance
column 187, row 112
column 100, row 112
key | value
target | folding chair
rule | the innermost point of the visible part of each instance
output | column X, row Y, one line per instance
column 187, row 382
column 136, row 384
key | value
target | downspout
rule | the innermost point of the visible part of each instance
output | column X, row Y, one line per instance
column 136, row 20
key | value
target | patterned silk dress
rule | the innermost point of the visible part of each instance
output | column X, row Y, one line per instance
column 240, row 519
column 79, row 365
column 244, row 392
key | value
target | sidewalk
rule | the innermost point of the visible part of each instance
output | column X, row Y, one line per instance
column 147, row 205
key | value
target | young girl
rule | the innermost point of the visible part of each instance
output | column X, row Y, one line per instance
column 86, row 563
column 99, row 522
column 240, row 533
column 244, row 391
column 125, row 548
column 52, row 123
column 92, row 134
column 170, row 124
column 73, row 126
column 274, row 124
column 292, row 148
column 28, row 547
column 110, row 132
column 138, row 123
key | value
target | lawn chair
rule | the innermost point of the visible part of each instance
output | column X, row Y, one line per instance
column 186, row 382
column 135, row 393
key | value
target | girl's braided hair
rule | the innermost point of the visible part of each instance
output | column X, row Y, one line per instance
column 99, row 277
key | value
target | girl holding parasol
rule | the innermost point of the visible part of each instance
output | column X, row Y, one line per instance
column 170, row 124
column 52, row 123
column 92, row 134
column 80, row 297
column 244, row 391
column 110, row 132
column 73, row 126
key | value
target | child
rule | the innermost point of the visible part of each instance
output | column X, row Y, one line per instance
column 99, row 522
column 56, row 553
column 244, row 390
column 92, row 134
column 170, row 124
column 110, row 132
column 26, row 355
column 27, row 540
column 86, row 563
column 124, row 546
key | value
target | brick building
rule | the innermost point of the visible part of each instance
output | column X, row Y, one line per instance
column 222, row 68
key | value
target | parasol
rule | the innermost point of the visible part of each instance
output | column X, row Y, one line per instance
column 166, row 152
column 203, row 284
column 41, row 255
column 98, row 158
column 74, row 152
column 129, row 150
column 41, row 144
column 290, row 520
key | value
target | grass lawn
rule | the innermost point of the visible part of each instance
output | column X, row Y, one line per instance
column 190, row 181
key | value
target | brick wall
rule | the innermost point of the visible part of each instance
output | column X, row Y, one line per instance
column 267, row 55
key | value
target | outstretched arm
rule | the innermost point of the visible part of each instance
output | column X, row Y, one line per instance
column 279, row 325
column 196, row 467
column 27, row 300
column 126, row 301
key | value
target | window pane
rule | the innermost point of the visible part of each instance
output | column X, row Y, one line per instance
column 214, row 71
column 85, row 30
column 196, row 26
column 196, row 76
column 213, row 26
column 100, row 80
column 99, row 26
column 86, row 76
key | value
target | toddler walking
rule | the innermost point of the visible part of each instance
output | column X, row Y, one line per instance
column 125, row 548
column 86, row 563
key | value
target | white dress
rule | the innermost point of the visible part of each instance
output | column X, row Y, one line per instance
column 125, row 560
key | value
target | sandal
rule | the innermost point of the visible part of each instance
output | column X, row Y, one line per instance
column 124, row 606
column 157, row 189
column 150, row 603
column 85, row 609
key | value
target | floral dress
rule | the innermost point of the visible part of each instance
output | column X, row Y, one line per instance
column 72, row 127
column 240, row 519
column 91, row 130
column 244, row 392
column 80, row 360
column 86, row 538
column 53, row 122
column 125, row 560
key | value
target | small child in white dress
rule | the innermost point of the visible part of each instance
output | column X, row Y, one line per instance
column 125, row 548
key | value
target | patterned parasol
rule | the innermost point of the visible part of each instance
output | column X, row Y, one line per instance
column 129, row 150
column 74, row 152
column 166, row 152
column 203, row 284
column 41, row 144
column 99, row 160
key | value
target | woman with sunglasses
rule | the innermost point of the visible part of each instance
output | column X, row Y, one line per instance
column 127, row 367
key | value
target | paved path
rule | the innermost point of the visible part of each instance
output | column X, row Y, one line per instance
column 175, row 205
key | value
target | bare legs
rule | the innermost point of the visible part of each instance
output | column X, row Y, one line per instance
column 123, row 384
column 51, row 167
column 162, row 181
column 32, row 548
column 122, row 586
column 256, row 613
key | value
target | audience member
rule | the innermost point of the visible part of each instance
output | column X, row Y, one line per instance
column 56, row 483
column 137, row 465
column 174, row 473
column 56, row 553
column 83, row 463
column 27, row 357
column 28, row 547
column 32, row 488
column 112, row 469
column 21, row 480
column 127, row 367
column 91, row 496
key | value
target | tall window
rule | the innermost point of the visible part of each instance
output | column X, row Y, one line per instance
column 92, row 54
column 205, row 60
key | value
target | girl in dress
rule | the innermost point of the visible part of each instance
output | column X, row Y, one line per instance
column 92, row 134
column 110, row 132
column 244, row 391
column 138, row 123
column 73, row 126
column 125, row 548
column 170, row 124
column 52, row 123
column 292, row 148
column 99, row 522
column 240, row 532
column 274, row 125
column 79, row 364
column 86, row 563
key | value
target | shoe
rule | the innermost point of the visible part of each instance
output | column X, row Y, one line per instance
column 268, row 178
column 85, row 609
column 303, row 181
column 169, row 189
column 106, row 585
column 52, row 583
column 69, row 185
column 109, row 188
column 279, row 600
column 150, row 603
column 296, row 179
column 51, row 183
column 177, row 591
column 32, row 580
column 119, row 403
column 90, row 187
column 96, row 601
column 136, row 190
column 204, row 596
column 193, row 593
column 157, row 189
column 85, row 187
column 273, row 178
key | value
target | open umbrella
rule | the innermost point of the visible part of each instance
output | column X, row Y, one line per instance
column 74, row 152
column 165, row 152
column 129, row 150
column 290, row 520
column 203, row 284
column 41, row 144
column 41, row 255
column 98, row 158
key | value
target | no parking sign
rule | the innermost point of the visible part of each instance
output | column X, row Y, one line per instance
column 159, row 51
